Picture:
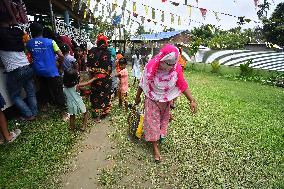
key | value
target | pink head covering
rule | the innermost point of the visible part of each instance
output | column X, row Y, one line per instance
column 163, row 79
column 155, row 62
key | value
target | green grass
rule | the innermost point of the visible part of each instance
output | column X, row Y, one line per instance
column 36, row 158
column 236, row 140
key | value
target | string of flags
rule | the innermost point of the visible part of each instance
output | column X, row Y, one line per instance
column 152, row 16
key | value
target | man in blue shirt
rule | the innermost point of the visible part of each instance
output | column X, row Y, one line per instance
column 43, row 51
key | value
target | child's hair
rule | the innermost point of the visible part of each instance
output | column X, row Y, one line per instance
column 65, row 48
column 71, row 78
column 122, row 61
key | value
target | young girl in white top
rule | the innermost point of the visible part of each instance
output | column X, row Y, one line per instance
column 136, row 72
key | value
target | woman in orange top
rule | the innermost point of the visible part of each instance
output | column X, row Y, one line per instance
column 118, row 57
column 181, row 61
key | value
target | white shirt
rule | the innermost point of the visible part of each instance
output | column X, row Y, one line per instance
column 13, row 60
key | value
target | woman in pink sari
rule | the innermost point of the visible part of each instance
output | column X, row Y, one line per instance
column 162, row 81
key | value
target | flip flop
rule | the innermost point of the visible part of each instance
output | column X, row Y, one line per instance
column 14, row 134
column 158, row 160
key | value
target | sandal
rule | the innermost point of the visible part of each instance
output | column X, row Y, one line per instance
column 162, row 140
column 158, row 159
column 14, row 134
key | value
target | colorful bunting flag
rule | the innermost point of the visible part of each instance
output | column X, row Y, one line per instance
column 172, row 19
column 142, row 20
column 73, row 4
column 153, row 13
column 134, row 7
column 80, row 4
column 123, row 5
column 163, row 16
column 217, row 16
column 203, row 12
column 109, row 10
column 146, row 9
column 116, row 20
column 114, row 5
column 128, row 20
column 256, row 3
column 175, row 3
column 103, row 10
column 189, row 8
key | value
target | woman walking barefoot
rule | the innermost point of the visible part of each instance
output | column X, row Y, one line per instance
column 161, row 82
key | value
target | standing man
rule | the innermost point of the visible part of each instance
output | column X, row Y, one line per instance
column 44, row 52
column 19, row 74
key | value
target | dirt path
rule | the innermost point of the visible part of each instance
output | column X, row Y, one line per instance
column 91, row 158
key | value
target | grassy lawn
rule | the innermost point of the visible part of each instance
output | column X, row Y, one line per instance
column 235, row 141
column 36, row 158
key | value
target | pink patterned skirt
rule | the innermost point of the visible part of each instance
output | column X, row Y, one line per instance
column 156, row 119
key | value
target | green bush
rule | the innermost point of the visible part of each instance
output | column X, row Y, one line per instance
column 215, row 65
column 245, row 69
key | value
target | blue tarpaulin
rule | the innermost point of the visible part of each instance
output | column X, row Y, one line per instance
column 156, row 36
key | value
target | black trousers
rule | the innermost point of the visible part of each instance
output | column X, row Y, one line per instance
column 51, row 90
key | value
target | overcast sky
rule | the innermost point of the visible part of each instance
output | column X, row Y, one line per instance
column 234, row 7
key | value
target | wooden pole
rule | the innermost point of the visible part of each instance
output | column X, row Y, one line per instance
column 52, row 16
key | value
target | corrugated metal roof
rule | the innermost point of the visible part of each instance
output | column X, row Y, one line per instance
column 156, row 36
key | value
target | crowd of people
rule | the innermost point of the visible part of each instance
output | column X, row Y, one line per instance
column 55, row 63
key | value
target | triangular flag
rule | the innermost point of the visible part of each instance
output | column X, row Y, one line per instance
column 163, row 16
column 172, row 19
column 123, row 5
column 103, row 10
column 146, row 9
column 73, row 4
column 203, row 12
column 114, row 5
column 142, row 20
column 134, row 7
column 85, row 12
column 175, row 3
column 128, row 20
column 217, row 16
column 117, row 20
column 109, row 10
column 256, row 3
column 153, row 13
column 80, row 5
column 189, row 10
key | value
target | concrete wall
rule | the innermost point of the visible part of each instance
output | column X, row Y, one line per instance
column 269, row 60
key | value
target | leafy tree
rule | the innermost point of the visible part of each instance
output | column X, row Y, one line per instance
column 273, row 27
column 100, row 26
column 168, row 29
column 263, row 8
column 140, row 30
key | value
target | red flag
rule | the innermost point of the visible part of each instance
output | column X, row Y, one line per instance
column 164, row 1
column 203, row 12
column 256, row 3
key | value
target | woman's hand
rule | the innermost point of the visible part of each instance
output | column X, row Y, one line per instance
column 137, row 100
column 193, row 106
column 138, row 96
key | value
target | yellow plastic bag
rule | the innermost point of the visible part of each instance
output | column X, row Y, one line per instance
column 139, row 130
